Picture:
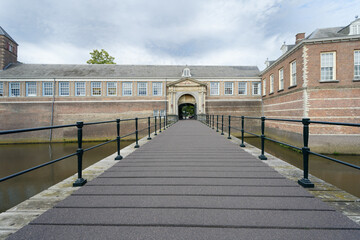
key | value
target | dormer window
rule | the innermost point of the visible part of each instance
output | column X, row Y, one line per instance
column 186, row 72
column 355, row 28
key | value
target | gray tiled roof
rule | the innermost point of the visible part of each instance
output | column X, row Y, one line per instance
column 124, row 71
column 327, row 33
column 4, row 33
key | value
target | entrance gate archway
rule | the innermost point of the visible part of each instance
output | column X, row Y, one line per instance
column 187, row 107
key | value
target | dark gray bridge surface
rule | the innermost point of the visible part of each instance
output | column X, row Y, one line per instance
column 190, row 183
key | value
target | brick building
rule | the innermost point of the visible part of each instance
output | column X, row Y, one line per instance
column 317, row 77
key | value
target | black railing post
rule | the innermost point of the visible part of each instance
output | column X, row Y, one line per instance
column 305, row 182
column 262, row 156
column 136, row 133
column 217, row 123
column 118, row 157
column 155, row 126
column 222, row 124
column 149, row 138
column 80, row 181
column 242, row 132
column 213, row 121
column 229, row 127
column 160, row 123
column 164, row 123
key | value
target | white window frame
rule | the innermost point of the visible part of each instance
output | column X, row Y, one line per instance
column 264, row 87
column 63, row 89
column 30, row 89
column 12, row 87
column 96, row 89
column 113, row 87
column 214, row 88
column 327, row 66
column 142, row 88
column 281, row 79
column 244, row 87
column 1, row 89
column 228, row 88
column 127, row 90
column 357, row 64
column 82, row 89
column 272, row 83
column 293, row 73
column 46, row 88
column 157, row 88
column 258, row 85
column 355, row 29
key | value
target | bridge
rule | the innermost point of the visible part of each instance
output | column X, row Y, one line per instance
column 190, row 182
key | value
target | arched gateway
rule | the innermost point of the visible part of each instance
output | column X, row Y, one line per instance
column 186, row 92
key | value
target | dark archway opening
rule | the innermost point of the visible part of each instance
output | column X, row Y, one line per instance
column 187, row 111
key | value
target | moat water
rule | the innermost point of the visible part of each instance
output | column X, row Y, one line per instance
column 18, row 157
column 339, row 175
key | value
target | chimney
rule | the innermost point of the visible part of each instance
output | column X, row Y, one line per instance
column 8, row 49
column 299, row 37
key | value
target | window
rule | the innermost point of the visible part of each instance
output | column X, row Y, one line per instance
column 111, row 88
column 355, row 28
column 80, row 89
column 327, row 66
column 242, row 88
column 357, row 64
column 1, row 89
column 272, row 83
column 157, row 88
column 95, row 88
column 64, row 89
column 229, row 88
column 214, row 88
column 264, row 87
column 127, row 88
column 31, row 89
column 48, row 88
column 256, row 88
column 14, row 89
column 281, row 79
column 293, row 73
column 156, row 113
column 186, row 72
column 142, row 88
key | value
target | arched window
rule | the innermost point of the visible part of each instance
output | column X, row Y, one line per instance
column 355, row 27
column 186, row 72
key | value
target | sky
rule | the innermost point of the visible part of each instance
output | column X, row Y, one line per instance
column 186, row 32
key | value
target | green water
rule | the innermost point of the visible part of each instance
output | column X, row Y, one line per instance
column 343, row 177
column 18, row 157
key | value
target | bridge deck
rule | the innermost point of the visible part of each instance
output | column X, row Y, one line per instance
column 190, row 183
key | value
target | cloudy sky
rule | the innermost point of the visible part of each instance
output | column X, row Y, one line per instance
column 200, row 32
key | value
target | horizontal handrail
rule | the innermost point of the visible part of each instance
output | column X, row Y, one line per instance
column 35, row 129
column 99, row 145
column 305, row 182
column 93, row 123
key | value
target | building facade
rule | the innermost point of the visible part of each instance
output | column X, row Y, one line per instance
column 318, row 77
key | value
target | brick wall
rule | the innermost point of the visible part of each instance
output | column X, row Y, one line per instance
column 6, row 56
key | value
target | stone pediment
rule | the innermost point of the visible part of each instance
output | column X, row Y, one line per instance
column 186, row 82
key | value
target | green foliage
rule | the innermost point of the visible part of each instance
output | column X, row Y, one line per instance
column 188, row 110
column 100, row 57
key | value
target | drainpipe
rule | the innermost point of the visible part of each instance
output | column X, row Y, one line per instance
column 52, row 110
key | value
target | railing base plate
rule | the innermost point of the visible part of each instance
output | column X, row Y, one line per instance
column 242, row 145
column 149, row 138
column 119, row 157
column 262, row 157
column 306, row 183
column 137, row 146
column 79, row 182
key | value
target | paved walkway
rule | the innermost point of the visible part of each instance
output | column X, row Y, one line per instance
column 190, row 183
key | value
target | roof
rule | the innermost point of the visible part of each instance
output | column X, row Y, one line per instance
column 4, row 33
column 124, row 71
column 328, row 33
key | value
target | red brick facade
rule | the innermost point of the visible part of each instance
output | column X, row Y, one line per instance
column 8, row 52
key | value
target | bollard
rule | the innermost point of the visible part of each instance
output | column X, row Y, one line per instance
column 229, row 127
column 80, row 181
column 155, row 126
column 149, row 138
column 305, row 182
column 242, row 132
column 217, row 123
column 262, row 156
column 118, row 157
column 222, row 124
column 159, row 123
column 136, row 133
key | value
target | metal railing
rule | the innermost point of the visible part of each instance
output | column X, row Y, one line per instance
column 305, row 182
column 80, row 181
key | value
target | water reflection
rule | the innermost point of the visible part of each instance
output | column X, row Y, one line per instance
column 18, row 157
column 343, row 177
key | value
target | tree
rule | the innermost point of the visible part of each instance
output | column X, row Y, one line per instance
column 100, row 57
